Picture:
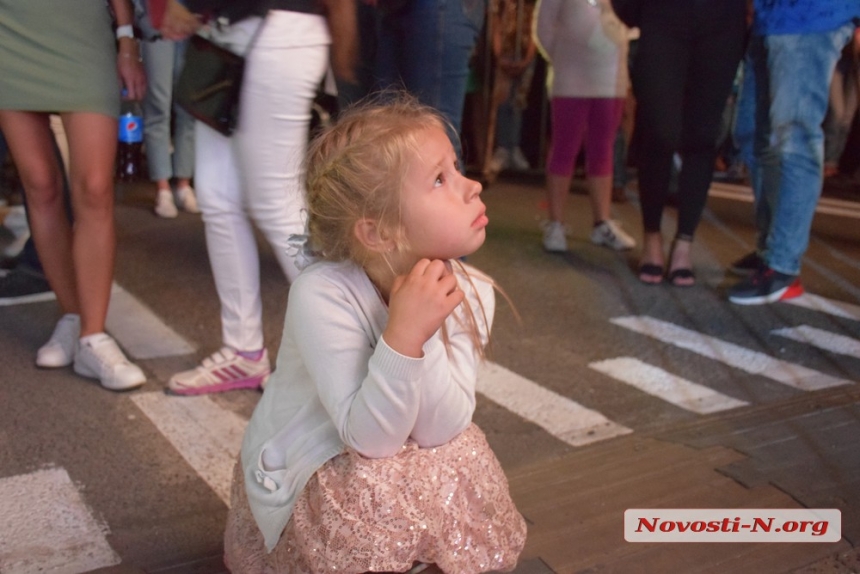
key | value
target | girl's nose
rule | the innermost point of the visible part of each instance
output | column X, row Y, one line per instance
column 474, row 188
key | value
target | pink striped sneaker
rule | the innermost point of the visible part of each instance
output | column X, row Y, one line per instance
column 224, row 370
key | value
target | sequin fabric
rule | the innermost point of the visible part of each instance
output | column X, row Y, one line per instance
column 448, row 505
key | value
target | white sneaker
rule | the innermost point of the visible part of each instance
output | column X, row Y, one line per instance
column 555, row 237
column 99, row 357
column 224, row 370
column 187, row 200
column 500, row 160
column 164, row 205
column 518, row 160
column 610, row 234
column 60, row 349
column 16, row 223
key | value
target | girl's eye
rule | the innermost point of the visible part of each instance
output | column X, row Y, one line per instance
column 439, row 181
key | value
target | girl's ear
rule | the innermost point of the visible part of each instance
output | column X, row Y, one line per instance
column 374, row 239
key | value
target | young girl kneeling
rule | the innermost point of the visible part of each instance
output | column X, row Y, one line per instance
column 361, row 455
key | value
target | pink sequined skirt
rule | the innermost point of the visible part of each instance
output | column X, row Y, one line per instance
column 448, row 505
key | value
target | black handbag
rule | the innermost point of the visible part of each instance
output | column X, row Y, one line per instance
column 210, row 83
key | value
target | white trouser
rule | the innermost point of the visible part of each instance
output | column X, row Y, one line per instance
column 256, row 174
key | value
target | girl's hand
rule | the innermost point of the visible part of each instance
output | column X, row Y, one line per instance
column 419, row 303
column 132, row 76
column 178, row 23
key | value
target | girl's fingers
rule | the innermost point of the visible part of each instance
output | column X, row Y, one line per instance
column 449, row 284
column 436, row 269
column 420, row 267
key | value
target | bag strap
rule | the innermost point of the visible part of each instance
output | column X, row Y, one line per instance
column 256, row 34
column 251, row 42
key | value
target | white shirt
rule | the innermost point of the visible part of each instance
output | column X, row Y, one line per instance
column 586, row 47
column 339, row 384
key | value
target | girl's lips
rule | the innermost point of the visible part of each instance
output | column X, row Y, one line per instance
column 482, row 220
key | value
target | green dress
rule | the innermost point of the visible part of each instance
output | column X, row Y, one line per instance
column 58, row 56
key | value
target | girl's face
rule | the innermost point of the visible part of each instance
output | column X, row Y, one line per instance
column 442, row 214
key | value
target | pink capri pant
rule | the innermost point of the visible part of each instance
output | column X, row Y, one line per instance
column 594, row 120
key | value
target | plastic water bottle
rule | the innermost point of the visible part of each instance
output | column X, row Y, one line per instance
column 129, row 149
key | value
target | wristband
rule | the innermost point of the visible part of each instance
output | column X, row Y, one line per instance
column 124, row 31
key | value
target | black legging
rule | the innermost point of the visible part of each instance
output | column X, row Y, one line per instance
column 685, row 63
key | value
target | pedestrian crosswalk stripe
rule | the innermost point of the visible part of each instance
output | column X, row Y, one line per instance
column 561, row 417
column 47, row 527
column 752, row 362
column 207, row 436
column 140, row 331
column 829, row 306
column 832, row 342
column 826, row 205
column 664, row 385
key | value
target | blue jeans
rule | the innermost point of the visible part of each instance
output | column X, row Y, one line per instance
column 163, row 60
column 509, row 118
column 425, row 47
column 782, row 105
column 509, row 124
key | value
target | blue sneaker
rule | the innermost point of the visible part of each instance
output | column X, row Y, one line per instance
column 766, row 286
column 20, row 285
column 747, row 265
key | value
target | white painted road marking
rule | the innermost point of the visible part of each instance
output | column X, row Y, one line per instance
column 664, row 385
column 35, row 298
column 825, row 340
column 561, row 417
column 206, row 435
column 829, row 306
column 209, row 437
column 140, row 331
column 752, row 362
column 830, row 206
column 47, row 527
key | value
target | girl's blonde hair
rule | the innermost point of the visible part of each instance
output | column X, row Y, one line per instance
column 355, row 170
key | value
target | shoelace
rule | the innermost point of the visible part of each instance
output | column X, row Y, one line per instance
column 64, row 334
column 108, row 353
column 762, row 276
column 215, row 358
column 219, row 357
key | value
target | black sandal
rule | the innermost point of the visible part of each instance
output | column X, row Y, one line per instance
column 681, row 276
column 652, row 271
column 681, row 273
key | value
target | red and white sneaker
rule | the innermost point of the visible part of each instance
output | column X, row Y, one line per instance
column 224, row 370
column 766, row 286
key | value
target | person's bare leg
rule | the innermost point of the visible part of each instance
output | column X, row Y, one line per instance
column 31, row 143
column 600, row 195
column 92, row 152
column 680, row 259
column 558, row 188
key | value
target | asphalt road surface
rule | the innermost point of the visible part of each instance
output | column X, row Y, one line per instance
column 585, row 355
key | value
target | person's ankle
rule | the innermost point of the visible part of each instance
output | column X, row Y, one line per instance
column 251, row 355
